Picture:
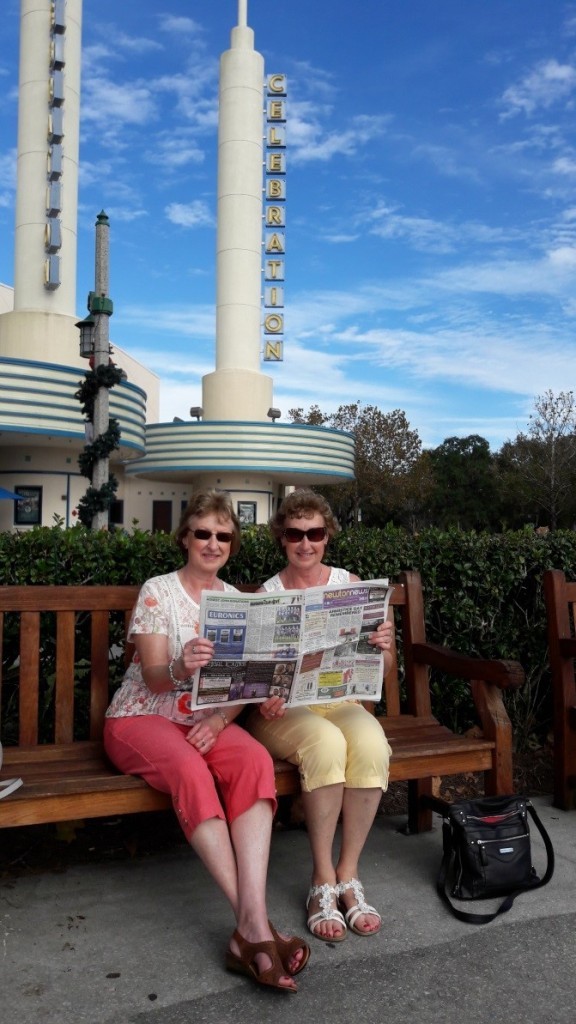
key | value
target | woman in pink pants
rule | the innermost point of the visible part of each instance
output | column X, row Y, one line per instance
column 221, row 780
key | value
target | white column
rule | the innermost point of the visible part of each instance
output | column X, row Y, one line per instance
column 237, row 389
column 33, row 111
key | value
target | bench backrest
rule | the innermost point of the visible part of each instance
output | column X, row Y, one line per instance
column 58, row 646
column 63, row 651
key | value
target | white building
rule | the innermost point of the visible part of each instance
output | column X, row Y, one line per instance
column 234, row 441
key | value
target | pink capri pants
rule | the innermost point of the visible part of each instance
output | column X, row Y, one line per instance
column 330, row 743
column 224, row 783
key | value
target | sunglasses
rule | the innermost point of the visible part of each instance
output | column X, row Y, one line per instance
column 221, row 535
column 315, row 534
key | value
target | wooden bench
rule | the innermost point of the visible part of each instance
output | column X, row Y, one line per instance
column 560, row 596
column 66, row 773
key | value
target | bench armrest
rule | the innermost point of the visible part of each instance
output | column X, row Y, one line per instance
column 507, row 675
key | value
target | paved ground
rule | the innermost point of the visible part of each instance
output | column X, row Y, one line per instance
column 142, row 942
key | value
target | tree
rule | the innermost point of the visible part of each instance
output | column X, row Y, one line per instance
column 551, row 469
column 315, row 417
column 543, row 460
column 387, row 453
column 465, row 488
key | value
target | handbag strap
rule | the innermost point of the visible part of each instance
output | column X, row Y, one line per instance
column 442, row 807
column 8, row 786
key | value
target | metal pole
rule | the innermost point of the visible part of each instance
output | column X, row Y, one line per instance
column 101, row 312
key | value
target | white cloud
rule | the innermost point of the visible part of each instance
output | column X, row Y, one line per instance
column 550, row 276
column 8, row 170
column 448, row 162
column 548, row 83
column 421, row 232
column 385, row 220
column 565, row 165
column 314, row 80
column 311, row 138
column 190, row 215
column 134, row 44
column 191, row 322
column 173, row 150
column 180, row 26
column 115, row 104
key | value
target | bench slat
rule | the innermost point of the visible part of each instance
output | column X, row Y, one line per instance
column 64, row 702
column 99, row 653
column 30, row 671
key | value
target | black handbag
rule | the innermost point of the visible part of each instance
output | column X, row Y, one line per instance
column 487, row 853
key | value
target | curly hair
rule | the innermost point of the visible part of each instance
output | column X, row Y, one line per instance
column 303, row 503
column 206, row 503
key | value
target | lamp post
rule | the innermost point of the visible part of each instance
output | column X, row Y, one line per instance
column 95, row 345
column 101, row 309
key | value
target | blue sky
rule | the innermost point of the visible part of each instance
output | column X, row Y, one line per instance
column 431, row 203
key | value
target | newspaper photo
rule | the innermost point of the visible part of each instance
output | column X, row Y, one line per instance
column 308, row 646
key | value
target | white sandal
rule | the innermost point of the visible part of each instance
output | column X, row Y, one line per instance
column 359, row 908
column 328, row 911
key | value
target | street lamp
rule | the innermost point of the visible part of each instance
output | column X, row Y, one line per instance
column 86, row 328
column 274, row 414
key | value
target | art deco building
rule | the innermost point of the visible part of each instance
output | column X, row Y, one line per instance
column 234, row 440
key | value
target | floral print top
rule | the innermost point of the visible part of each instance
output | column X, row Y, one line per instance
column 163, row 606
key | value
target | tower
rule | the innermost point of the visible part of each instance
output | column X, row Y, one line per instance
column 42, row 322
column 237, row 389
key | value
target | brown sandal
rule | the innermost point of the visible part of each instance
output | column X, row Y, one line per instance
column 245, row 963
column 287, row 948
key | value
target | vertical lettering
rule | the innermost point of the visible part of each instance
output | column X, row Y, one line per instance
column 274, row 323
column 277, row 85
column 274, row 351
column 274, row 270
column 275, row 242
column 275, row 214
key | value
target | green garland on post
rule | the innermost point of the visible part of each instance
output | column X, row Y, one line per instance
column 97, row 500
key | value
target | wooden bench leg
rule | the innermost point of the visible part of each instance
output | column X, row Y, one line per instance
column 419, row 817
column 565, row 760
column 496, row 726
column 499, row 780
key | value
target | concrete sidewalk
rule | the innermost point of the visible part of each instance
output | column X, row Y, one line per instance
column 143, row 942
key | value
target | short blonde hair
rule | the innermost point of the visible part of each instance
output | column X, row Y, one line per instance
column 206, row 503
column 303, row 503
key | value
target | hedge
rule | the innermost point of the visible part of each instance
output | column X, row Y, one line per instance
column 483, row 592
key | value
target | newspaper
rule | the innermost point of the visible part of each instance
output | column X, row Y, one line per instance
column 308, row 646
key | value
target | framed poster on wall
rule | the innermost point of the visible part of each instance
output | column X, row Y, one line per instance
column 28, row 508
column 247, row 513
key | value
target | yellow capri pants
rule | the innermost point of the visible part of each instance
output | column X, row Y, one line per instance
column 330, row 743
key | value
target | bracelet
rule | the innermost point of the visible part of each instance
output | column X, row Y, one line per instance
column 217, row 711
column 178, row 684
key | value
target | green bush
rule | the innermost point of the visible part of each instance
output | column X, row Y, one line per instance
column 483, row 592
